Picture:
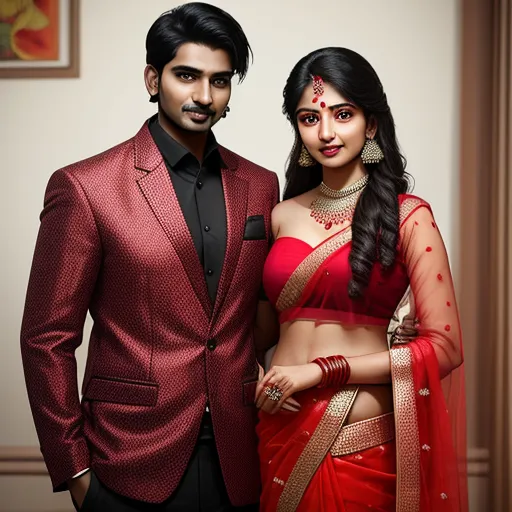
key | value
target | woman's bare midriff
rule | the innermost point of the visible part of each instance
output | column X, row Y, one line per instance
column 302, row 341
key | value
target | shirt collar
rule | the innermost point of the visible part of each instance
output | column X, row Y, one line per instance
column 173, row 152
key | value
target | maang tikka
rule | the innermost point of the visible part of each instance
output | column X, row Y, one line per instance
column 305, row 158
column 318, row 87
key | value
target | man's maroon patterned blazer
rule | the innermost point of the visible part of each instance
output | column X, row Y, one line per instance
column 113, row 240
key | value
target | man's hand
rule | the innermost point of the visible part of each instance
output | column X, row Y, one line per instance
column 78, row 487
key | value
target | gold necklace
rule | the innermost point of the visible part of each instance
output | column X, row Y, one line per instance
column 336, row 206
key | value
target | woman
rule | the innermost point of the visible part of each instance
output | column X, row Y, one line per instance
column 348, row 422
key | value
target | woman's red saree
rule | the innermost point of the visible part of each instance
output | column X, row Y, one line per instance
column 412, row 460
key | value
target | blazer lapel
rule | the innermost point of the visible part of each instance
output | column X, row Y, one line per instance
column 156, row 186
column 236, row 191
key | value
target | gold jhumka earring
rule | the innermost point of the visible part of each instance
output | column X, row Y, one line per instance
column 305, row 159
column 371, row 153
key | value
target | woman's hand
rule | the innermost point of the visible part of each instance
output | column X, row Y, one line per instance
column 288, row 380
column 290, row 404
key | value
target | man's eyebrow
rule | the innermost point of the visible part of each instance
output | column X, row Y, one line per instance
column 200, row 72
column 187, row 69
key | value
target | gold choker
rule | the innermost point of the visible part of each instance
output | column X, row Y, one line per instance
column 337, row 206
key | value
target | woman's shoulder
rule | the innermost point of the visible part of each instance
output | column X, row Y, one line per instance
column 405, row 199
column 290, row 206
column 409, row 203
column 289, row 210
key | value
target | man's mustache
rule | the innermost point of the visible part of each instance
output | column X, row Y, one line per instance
column 198, row 110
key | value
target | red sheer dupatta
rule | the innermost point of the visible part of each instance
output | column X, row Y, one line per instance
column 427, row 374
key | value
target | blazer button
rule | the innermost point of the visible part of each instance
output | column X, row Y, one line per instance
column 211, row 345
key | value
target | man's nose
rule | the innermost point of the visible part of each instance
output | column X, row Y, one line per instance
column 202, row 93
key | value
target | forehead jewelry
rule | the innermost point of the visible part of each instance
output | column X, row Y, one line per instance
column 318, row 89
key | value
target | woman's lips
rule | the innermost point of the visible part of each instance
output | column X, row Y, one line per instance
column 331, row 150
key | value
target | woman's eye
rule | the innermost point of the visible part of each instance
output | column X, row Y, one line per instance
column 344, row 115
column 309, row 119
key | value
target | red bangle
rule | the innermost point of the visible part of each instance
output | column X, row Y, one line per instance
column 335, row 371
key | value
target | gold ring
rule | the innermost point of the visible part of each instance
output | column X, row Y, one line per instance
column 274, row 393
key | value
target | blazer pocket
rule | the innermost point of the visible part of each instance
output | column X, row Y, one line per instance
column 120, row 391
column 255, row 228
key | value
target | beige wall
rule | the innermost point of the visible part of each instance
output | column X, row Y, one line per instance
column 413, row 44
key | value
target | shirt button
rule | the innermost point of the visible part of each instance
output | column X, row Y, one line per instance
column 211, row 345
column 207, row 228
column 199, row 185
column 209, row 272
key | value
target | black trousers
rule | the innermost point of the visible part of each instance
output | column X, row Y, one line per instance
column 201, row 488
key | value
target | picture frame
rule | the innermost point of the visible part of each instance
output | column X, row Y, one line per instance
column 39, row 39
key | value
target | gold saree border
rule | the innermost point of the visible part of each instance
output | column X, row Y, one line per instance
column 364, row 435
column 317, row 448
column 295, row 285
column 407, row 431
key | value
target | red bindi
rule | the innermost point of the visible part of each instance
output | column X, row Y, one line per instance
column 322, row 104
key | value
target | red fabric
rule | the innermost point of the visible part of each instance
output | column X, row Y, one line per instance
column 357, row 482
column 437, row 354
column 434, row 416
column 113, row 240
column 442, row 434
column 322, row 300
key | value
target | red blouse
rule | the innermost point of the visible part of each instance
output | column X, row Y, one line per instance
column 310, row 283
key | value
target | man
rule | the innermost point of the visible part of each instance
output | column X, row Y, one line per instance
column 163, row 239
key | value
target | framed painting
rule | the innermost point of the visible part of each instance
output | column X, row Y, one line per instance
column 38, row 38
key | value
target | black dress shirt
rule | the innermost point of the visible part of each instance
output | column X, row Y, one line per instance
column 201, row 198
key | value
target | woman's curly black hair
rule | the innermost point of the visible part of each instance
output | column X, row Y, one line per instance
column 375, row 225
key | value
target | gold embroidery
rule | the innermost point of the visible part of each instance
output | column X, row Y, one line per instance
column 364, row 435
column 316, row 449
column 295, row 285
column 407, row 436
column 408, row 206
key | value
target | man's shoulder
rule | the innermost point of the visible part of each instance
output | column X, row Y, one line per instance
column 108, row 159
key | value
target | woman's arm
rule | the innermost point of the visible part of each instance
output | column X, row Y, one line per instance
column 426, row 260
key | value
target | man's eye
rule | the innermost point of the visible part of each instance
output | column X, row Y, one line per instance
column 185, row 76
column 221, row 82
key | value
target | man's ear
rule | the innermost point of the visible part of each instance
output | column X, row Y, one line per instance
column 151, row 79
